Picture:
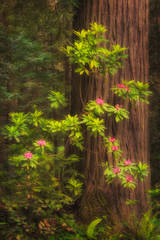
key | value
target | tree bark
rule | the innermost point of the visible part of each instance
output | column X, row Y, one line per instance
column 127, row 24
column 154, row 53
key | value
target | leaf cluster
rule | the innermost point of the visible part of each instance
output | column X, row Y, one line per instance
column 119, row 113
column 134, row 171
column 133, row 90
column 89, row 55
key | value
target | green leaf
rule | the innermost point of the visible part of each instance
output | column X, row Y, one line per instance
column 91, row 228
column 86, row 71
column 57, row 99
column 81, row 72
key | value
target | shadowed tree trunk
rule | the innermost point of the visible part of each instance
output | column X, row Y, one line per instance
column 127, row 24
column 155, row 87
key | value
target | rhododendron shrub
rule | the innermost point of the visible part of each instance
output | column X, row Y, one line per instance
column 71, row 127
column 47, row 178
column 93, row 116
column 40, row 184
column 82, row 54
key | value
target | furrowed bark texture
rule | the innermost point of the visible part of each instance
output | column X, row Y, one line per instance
column 127, row 24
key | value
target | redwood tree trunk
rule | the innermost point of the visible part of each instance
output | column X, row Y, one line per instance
column 155, row 87
column 127, row 24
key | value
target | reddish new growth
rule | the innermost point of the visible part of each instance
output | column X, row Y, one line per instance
column 99, row 101
column 121, row 85
column 118, row 106
column 28, row 155
column 116, row 170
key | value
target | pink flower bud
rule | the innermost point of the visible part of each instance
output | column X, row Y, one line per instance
column 114, row 148
column 28, row 155
column 121, row 85
column 41, row 142
column 99, row 101
column 129, row 179
column 126, row 88
column 118, row 106
column 127, row 162
column 111, row 139
column 116, row 170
